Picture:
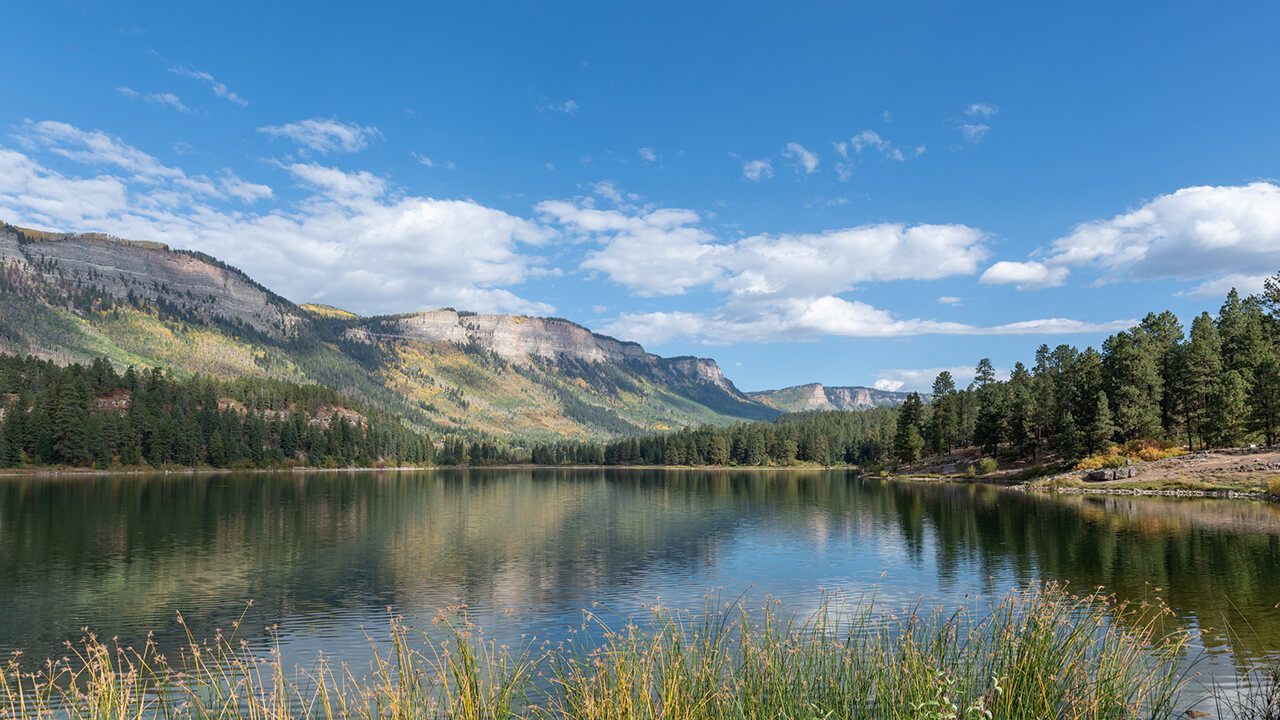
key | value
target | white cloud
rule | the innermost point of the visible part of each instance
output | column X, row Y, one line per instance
column 568, row 107
column 653, row 252
column 757, row 170
column 666, row 251
column 869, row 140
column 1029, row 275
column 872, row 140
column 128, row 92
column 338, row 185
column 1219, row 287
column 218, row 88
column 806, row 318
column 803, row 157
column 981, row 110
column 324, row 136
column 887, row 384
column 244, row 190
column 950, row 300
column 352, row 240
column 776, row 288
column 423, row 160
column 1196, row 233
column 648, row 154
column 94, row 148
column 974, row 132
column 168, row 100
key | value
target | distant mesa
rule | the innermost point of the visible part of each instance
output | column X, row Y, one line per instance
column 815, row 396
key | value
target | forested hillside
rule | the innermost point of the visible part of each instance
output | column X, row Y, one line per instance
column 78, row 297
column 79, row 415
column 1216, row 384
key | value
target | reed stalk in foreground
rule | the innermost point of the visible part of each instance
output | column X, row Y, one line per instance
column 1039, row 653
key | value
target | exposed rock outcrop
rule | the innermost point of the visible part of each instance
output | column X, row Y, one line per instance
column 815, row 396
column 146, row 271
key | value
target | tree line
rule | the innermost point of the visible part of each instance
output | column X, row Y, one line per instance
column 93, row 415
column 1214, row 384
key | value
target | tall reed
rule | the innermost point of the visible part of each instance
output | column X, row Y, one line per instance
column 1038, row 653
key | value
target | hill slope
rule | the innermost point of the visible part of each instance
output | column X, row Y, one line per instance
column 72, row 297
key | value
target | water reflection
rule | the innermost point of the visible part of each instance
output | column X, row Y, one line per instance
column 324, row 555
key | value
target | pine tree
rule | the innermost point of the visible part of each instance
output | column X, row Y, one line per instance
column 942, row 428
column 1164, row 336
column 910, row 421
column 1264, row 401
column 1101, row 429
column 1229, row 409
column 1069, row 441
column 1133, row 384
column 1200, row 374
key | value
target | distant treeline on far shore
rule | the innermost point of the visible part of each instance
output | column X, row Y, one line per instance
column 1214, row 384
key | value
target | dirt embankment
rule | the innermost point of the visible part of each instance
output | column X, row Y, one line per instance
column 1235, row 472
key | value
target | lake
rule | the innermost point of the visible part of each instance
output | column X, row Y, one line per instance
column 323, row 556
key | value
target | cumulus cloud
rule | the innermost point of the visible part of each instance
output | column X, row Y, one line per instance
column 652, row 252
column 1218, row 287
column 801, row 156
column 1029, row 275
column 806, row 318
column 1193, row 233
column 980, row 110
column 648, row 154
column 219, row 89
column 1219, row 236
column 350, row 240
column 776, row 287
column 950, row 300
column 666, row 251
column 324, row 136
column 757, row 170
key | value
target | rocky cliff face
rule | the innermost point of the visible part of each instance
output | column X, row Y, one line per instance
column 75, row 297
column 145, row 271
column 513, row 337
column 815, row 396
column 520, row 338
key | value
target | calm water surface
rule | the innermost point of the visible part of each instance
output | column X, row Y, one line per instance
column 324, row 556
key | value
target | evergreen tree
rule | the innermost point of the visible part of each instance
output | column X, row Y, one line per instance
column 1070, row 442
column 1134, row 384
column 1164, row 336
column 943, row 425
column 1229, row 410
column 1101, row 429
column 1264, row 401
column 1201, row 372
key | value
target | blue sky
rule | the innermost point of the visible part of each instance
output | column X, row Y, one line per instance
column 843, row 193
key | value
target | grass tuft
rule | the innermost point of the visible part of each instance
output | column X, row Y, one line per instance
column 1038, row 653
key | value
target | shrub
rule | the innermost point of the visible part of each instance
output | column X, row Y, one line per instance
column 1129, row 453
column 985, row 466
column 1273, row 486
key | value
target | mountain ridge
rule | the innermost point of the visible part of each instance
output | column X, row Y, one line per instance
column 74, row 296
column 811, row 397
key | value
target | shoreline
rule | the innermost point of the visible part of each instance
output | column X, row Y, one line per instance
column 1022, row 486
column 178, row 470
column 1151, row 492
